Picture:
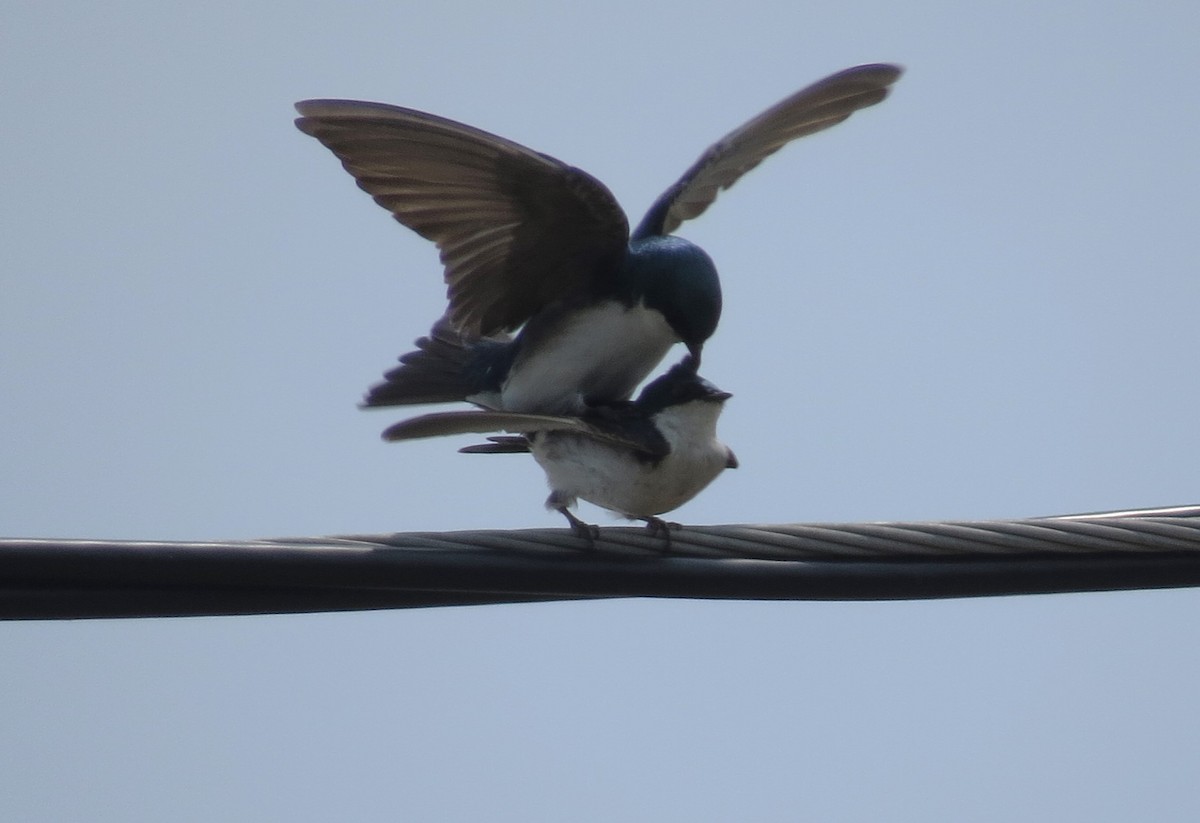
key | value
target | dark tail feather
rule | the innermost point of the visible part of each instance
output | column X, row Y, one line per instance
column 502, row 444
column 438, row 371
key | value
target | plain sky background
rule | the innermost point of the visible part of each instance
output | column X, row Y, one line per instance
column 978, row 299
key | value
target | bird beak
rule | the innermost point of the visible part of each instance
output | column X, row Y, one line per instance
column 732, row 462
column 720, row 396
column 694, row 350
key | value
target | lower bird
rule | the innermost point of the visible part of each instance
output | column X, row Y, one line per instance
column 639, row 459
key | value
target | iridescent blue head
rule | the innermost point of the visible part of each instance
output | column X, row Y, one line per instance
column 679, row 280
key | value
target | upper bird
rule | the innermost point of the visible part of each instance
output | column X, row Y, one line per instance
column 533, row 244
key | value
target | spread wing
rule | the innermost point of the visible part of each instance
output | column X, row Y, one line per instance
column 516, row 229
column 629, row 431
column 441, row 424
column 819, row 106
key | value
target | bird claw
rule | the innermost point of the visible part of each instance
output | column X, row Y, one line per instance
column 587, row 531
column 658, row 526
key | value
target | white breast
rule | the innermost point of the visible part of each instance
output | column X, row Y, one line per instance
column 605, row 352
column 612, row 477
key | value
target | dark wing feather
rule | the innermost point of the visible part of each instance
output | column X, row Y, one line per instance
column 819, row 106
column 440, row 424
column 500, row 444
column 634, row 433
column 517, row 230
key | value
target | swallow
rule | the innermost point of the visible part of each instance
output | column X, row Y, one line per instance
column 638, row 459
column 553, row 304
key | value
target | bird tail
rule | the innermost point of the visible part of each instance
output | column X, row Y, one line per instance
column 440, row 370
column 501, row 444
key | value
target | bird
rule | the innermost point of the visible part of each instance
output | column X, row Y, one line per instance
column 639, row 458
column 554, row 305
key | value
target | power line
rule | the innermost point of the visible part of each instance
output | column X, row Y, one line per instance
column 1142, row 549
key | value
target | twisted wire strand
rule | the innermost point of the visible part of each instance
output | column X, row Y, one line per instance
column 1147, row 548
column 1149, row 530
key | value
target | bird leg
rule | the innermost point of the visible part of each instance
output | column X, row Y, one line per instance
column 587, row 531
column 656, row 525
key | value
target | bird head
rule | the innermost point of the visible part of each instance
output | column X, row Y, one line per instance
column 679, row 385
column 678, row 279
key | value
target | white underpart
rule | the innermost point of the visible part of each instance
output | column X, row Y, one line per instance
column 606, row 351
column 610, row 476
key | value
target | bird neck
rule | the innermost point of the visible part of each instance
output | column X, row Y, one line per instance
column 690, row 424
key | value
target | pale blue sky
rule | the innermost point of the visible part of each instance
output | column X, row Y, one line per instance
column 978, row 299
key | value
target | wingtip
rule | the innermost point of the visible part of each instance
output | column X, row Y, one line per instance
column 885, row 72
column 892, row 70
column 324, row 107
column 879, row 76
column 310, row 107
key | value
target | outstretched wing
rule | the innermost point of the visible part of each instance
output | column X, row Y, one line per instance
column 629, row 431
column 441, row 424
column 516, row 229
column 819, row 106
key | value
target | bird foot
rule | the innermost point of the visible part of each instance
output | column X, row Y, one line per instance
column 658, row 526
column 587, row 531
